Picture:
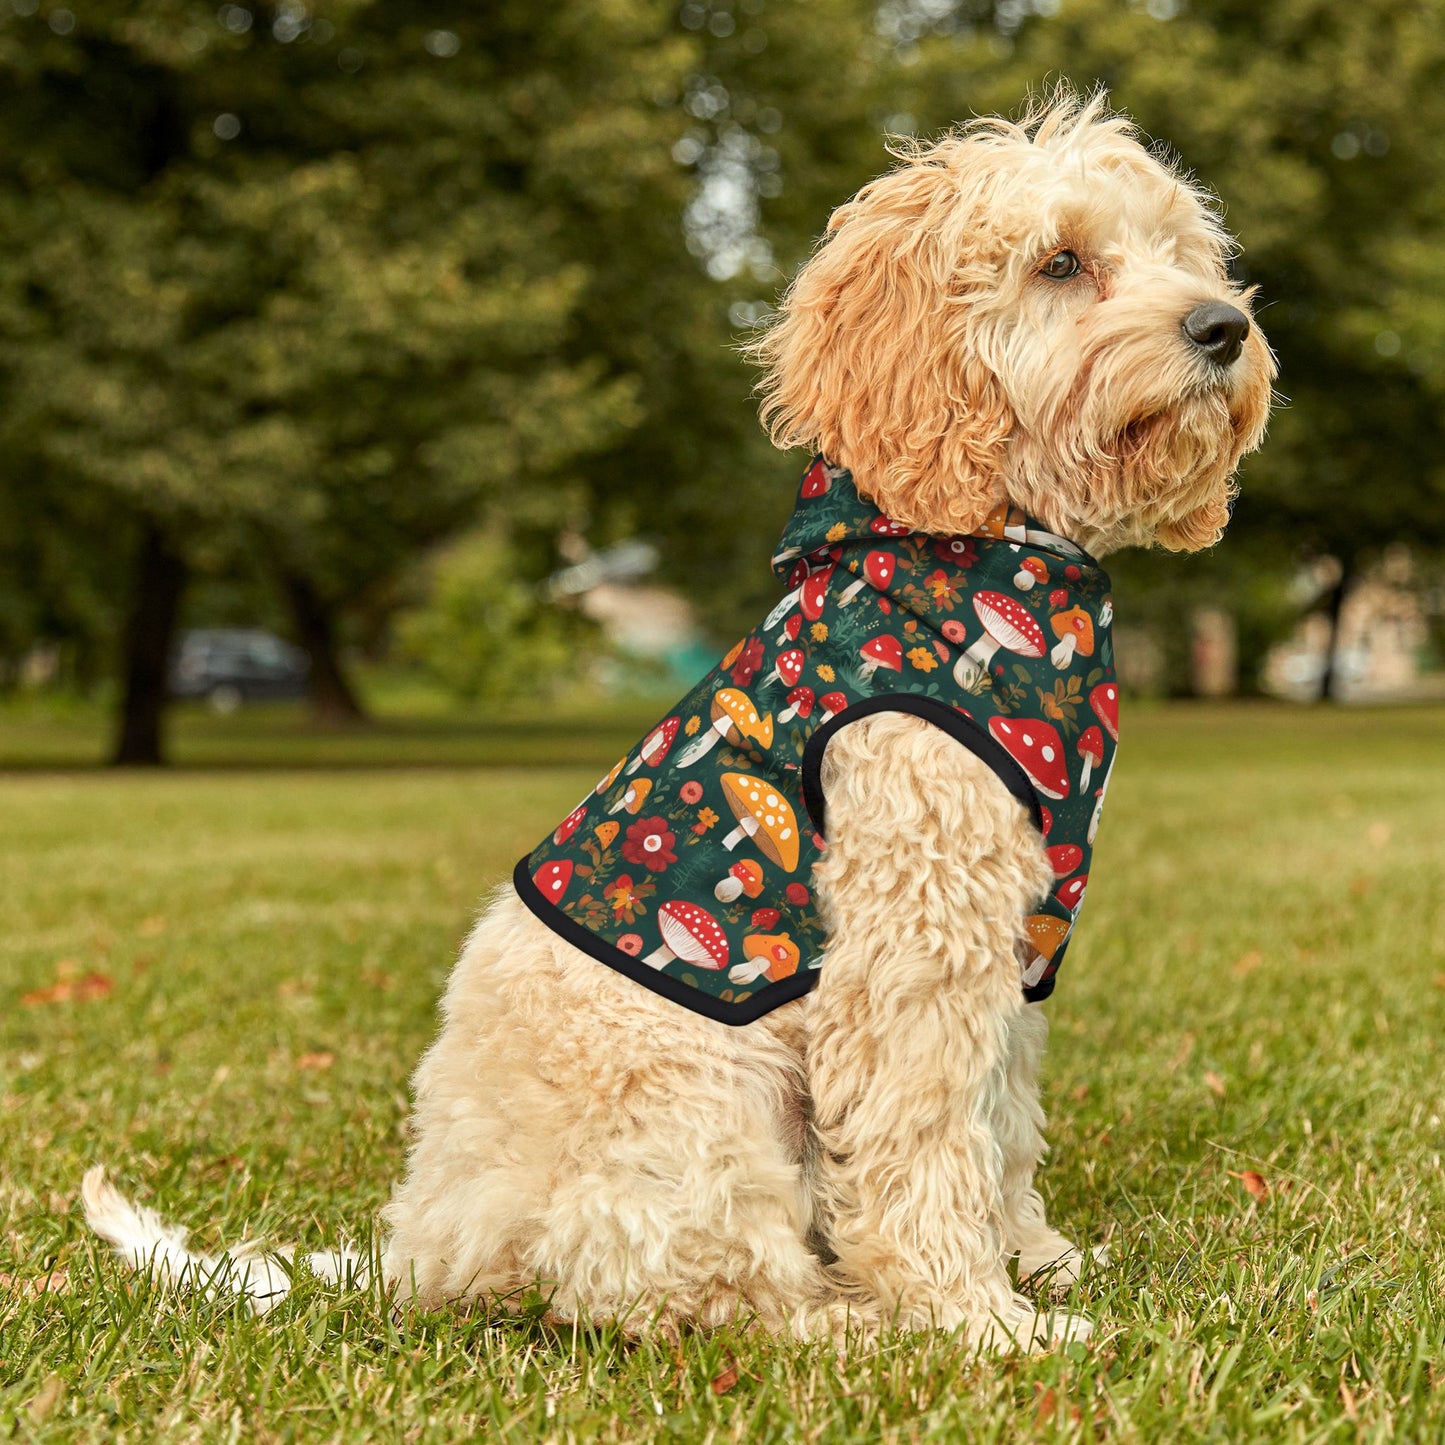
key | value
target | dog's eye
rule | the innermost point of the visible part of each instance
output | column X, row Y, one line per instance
column 1060, row 266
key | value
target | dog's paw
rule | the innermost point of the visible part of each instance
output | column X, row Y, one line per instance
column 1023, row 1326
column 1058, row 1270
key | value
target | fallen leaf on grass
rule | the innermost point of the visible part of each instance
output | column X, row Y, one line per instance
column 1247, row 963
column 322, row 1059
column 1214, row 1083
column 1079, row 1094
column 67, row 990
column 378, row 979
column 722, row 1383
column 1377, row 834
column 1046, row 1407
column 1255, row 1184
column 1440, row 980
column 151, row 927
column 56, row 1282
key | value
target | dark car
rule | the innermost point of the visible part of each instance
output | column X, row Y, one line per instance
column 231, row 665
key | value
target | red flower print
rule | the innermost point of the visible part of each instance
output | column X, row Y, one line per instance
column 961, row 551
column 796, row 893
column 765, row 918
column 630, row 943
column 749, row 660
column 649, row 842
column 691, row 792
column 1058, row 597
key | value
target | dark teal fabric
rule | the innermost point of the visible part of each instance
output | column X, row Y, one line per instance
column 689, row 866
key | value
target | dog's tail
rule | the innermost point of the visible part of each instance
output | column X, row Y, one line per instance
column 147, row 1243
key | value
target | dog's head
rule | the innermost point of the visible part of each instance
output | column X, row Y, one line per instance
column 1038, row 310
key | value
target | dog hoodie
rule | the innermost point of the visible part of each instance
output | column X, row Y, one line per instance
column 689, row 866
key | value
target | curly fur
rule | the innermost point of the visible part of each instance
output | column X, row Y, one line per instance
column 864, row 1155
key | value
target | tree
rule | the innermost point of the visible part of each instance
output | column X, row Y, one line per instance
column 283, row 283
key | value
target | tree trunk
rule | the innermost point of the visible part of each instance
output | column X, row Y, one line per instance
column 1329, row 675
column 333, row 700
column 160, row 578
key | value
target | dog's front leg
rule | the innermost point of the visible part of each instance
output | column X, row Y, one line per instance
column 931, row 869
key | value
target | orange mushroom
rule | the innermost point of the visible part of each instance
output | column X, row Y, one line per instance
column 764, row 816
column 1043, row 933
column 773, row 954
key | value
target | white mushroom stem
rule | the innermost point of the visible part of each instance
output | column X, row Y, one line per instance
column 623, row 802
column 1088, row 768
column 705, row 743
column 745, row 829
column 659, row 958
column 851, row 591
column 1063, row 654
column 727, row 890
column 974, row 662
column 782, row 609
column 747, row 972
column 1035, row 970
column 1023, row 579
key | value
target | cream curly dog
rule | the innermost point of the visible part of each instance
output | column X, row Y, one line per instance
column 1036, row 312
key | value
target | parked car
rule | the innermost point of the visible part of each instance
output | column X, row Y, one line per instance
column 230, row 665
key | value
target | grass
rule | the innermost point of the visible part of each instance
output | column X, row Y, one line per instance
column 231, row 972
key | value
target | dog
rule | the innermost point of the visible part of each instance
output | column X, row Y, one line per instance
column 1023, row 319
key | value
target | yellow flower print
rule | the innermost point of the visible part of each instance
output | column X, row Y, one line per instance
column 819, row 632
column 837, row 532
column 692, row 725
column 923, row 659
column 706, row 819
column 826, row 672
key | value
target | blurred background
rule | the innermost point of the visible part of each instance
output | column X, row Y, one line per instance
column 362, row 363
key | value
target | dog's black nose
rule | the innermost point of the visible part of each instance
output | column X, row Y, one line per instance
column 1218, row 330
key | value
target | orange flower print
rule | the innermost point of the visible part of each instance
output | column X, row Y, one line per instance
column 941, row 589
column 819, row 631
column 626, row 906
column 922, row 659
column 706, row 819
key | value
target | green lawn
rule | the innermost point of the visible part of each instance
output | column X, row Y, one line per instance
column 252, row 958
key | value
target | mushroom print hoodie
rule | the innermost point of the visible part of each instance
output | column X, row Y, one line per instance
column 689, row 866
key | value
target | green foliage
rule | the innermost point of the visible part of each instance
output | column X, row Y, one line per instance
column 486, row 634
column 1251, row 989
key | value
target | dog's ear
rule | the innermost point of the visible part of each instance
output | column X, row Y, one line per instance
column 873, row 358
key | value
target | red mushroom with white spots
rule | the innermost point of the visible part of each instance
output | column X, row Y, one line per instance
column 788, row 668
column 1007, row 623
column 800, row 703
column 1071, row 894
column 1104, row 699
column 552, row 879
column 832, row 703
column 655, row 745
column 816, row 481
column 1064, row 858
column 570, row 824
column 814, row 592
column 881, row 652
column 791, row 628
column 887, row 527
column 1090, row 747
column 1037, row 748
column 690, row 935
column 878, row 568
